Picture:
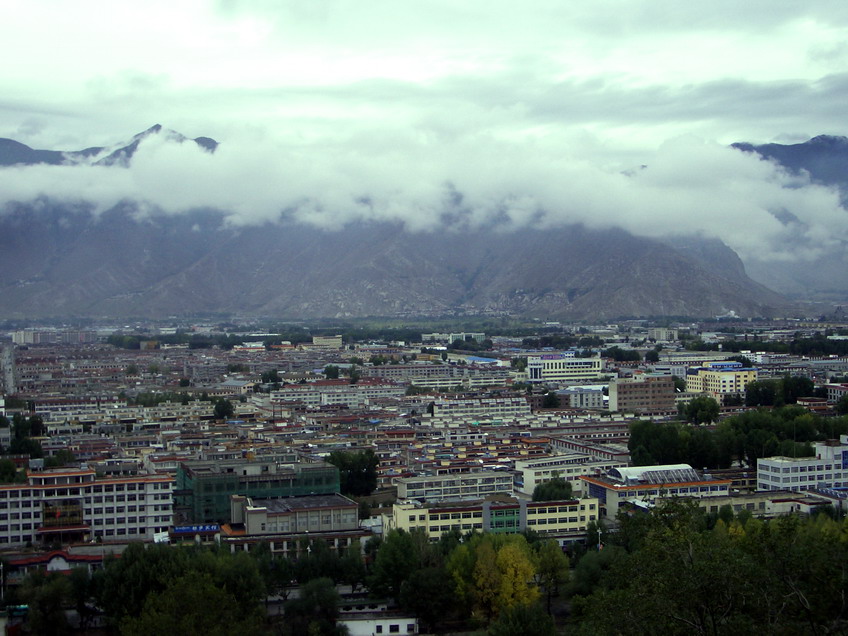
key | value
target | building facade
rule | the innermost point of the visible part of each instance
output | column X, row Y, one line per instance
column 644, row 393
column 565, row 521
column 562, row 368
column 64, row 506
column 458, row 486
column 720, row 379
column 203, row 488
column 646, row 484
column 827, row 469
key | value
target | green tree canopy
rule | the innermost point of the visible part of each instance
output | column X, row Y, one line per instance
column 556, row 489
column 357, row 471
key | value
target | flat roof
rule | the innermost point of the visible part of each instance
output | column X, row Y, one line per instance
column 306, row 502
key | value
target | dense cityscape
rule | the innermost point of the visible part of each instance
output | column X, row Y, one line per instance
column 343, row 474
column 450, row 318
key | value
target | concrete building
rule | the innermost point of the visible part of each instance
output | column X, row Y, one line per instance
column 663, row 334
column 828, row 469
column 369, row 619
column 836, row 392
column 643, row 393
column 478, row 407
column 64, row 506
column 294, row 515
column 565, row 521
column 529, row 473
column 457, row 486
column 646, row 484
column 720, row 379
column 562, row 368
column 582, row 397
column 327, row 342
column 204, row 488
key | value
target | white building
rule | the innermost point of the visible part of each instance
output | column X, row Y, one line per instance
column 457, row 486
column 570, row 467
column 72, row 505
column 828, row 469
column 562, row 368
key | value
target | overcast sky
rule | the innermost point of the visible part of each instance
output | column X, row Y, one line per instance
column 536, row 113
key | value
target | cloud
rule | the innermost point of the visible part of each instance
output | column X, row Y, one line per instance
column 470, row 182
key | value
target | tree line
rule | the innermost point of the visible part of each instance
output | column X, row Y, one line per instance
column 494, row 580
column 682, row 571
column 789, row 431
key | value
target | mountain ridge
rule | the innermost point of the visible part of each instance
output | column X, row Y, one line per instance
column 62, row 260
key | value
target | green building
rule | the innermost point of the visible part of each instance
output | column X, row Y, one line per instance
column 203, row 488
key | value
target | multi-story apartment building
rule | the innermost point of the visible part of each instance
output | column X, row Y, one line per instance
column 64, row 506
column 203, row 488
column 294, row 515
column 334, row 392
column 327, row 342
column 643, row 393
column 529, row 473
column 647, row 484
column 565, row 521
column 582, row 397
column 827, row 469
column 663, row 334
column 440, row 376
column 836, row 392
column 720, row 379
column 457, row 486
column 478, row 407
column 562, row 368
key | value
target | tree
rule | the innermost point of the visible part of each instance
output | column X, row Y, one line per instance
column 553, row 569
column 357, row 471
column 223, row 409
column 193, row 604
column 132, row 369
column 516, row 566
column 8, row 471
column 551, row 400
column 395, row 561
column 523, row 620
column 761, row 393
column 428, row 593
column 331, row 371
column 842, row 405
column 652, row 356
column 557, row 489
column 314, row 612
column 492, row 572
column 46, row 595
column 184, row 382
column 63, row 457
column 702, row 410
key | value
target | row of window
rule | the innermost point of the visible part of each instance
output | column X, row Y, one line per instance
column 77, row 491
column 766, row 468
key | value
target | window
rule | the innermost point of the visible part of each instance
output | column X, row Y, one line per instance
column 394, row 629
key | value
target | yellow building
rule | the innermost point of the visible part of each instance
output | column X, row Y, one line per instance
column 719, row 379
column 565, row 521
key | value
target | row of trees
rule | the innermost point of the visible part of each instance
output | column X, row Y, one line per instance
column 788, row 431
column 497, row 580
column 489, row 579
column 681, row 571
column 818, row 345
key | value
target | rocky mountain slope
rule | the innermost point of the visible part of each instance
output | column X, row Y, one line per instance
column 59, row 259
column 824, row 276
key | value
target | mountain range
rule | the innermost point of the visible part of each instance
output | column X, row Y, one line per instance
column 823, row 277
column 59, row 259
